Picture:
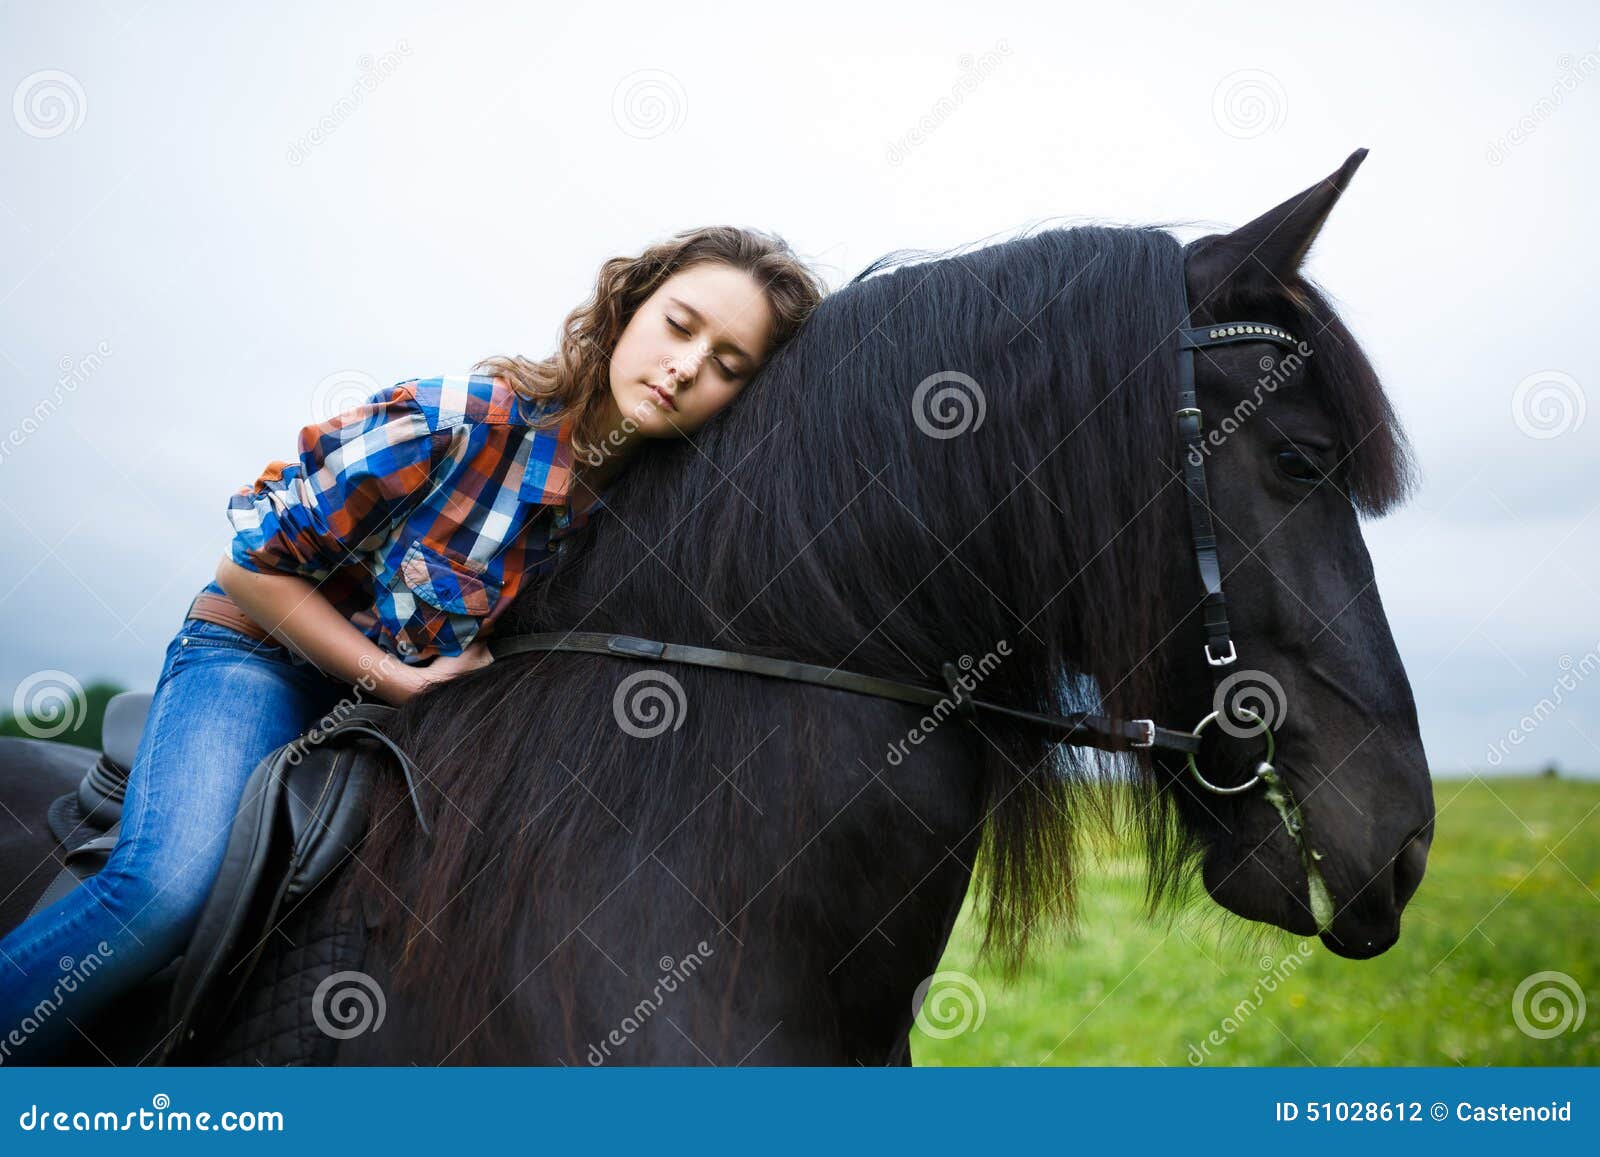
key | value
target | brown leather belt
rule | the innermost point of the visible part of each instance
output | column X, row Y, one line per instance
column 224, row 611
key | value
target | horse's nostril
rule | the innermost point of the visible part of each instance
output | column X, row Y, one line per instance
column 1409, row 866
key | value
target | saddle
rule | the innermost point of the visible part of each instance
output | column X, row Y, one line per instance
column 304, row 810
column 96, row 807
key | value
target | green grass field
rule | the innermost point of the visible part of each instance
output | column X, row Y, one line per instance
column 1512, row 889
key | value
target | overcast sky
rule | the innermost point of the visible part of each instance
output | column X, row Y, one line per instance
column 214, row 223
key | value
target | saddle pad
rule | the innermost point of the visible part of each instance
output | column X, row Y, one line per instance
column 275, row 1021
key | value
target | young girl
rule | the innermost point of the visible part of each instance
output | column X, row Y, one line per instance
column 381, row 558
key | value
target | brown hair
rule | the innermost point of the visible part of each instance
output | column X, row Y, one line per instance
column 577, row 375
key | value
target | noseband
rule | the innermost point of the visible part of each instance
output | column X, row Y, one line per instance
column 1082, row 729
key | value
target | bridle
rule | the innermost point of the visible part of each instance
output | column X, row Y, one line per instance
column 1083, row 729
column 1219, row 648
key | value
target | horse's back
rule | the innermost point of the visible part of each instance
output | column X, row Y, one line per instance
column 33, row 773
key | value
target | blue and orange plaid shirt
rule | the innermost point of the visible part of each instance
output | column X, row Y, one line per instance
column 419, row 513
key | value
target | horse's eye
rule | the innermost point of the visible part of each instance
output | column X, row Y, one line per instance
column 1296, row 465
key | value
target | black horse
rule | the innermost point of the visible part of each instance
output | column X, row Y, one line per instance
column 967, row 459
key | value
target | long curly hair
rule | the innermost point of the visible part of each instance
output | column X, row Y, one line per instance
column 577, row 376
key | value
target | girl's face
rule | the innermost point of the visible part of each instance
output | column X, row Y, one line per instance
column 689, row 349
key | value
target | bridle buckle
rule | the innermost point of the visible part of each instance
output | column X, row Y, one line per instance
column 1221, row 660
column 1149, row 739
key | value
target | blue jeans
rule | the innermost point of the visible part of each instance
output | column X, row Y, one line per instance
column 223, row 702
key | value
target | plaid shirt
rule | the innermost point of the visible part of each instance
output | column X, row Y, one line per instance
column 417, row 513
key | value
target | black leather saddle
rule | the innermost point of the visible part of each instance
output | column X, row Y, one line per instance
column 303, row 811
column 87, row 822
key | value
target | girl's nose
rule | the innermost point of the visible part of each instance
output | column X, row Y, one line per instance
column 686, row 366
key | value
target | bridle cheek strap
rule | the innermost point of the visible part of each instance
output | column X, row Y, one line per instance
column 1219, row 647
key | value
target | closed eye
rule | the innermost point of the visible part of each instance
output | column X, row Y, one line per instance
column 726, row 372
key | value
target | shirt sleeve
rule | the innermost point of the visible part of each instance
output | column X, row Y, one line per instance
column 350, row 484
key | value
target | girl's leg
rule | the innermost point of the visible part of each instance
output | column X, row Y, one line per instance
column 223, row 702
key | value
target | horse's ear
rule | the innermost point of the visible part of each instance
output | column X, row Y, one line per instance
column 1271, row 247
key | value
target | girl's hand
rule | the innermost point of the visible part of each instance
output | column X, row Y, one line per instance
column 447, row 667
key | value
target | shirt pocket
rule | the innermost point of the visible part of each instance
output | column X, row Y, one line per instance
column 448, row 587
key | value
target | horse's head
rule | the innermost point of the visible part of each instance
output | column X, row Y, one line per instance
column 1297, row 444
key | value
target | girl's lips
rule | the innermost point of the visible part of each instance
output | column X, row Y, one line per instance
column 662, row 397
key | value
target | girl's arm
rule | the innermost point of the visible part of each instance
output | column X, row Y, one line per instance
column 294, row 612
column 355, row 474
